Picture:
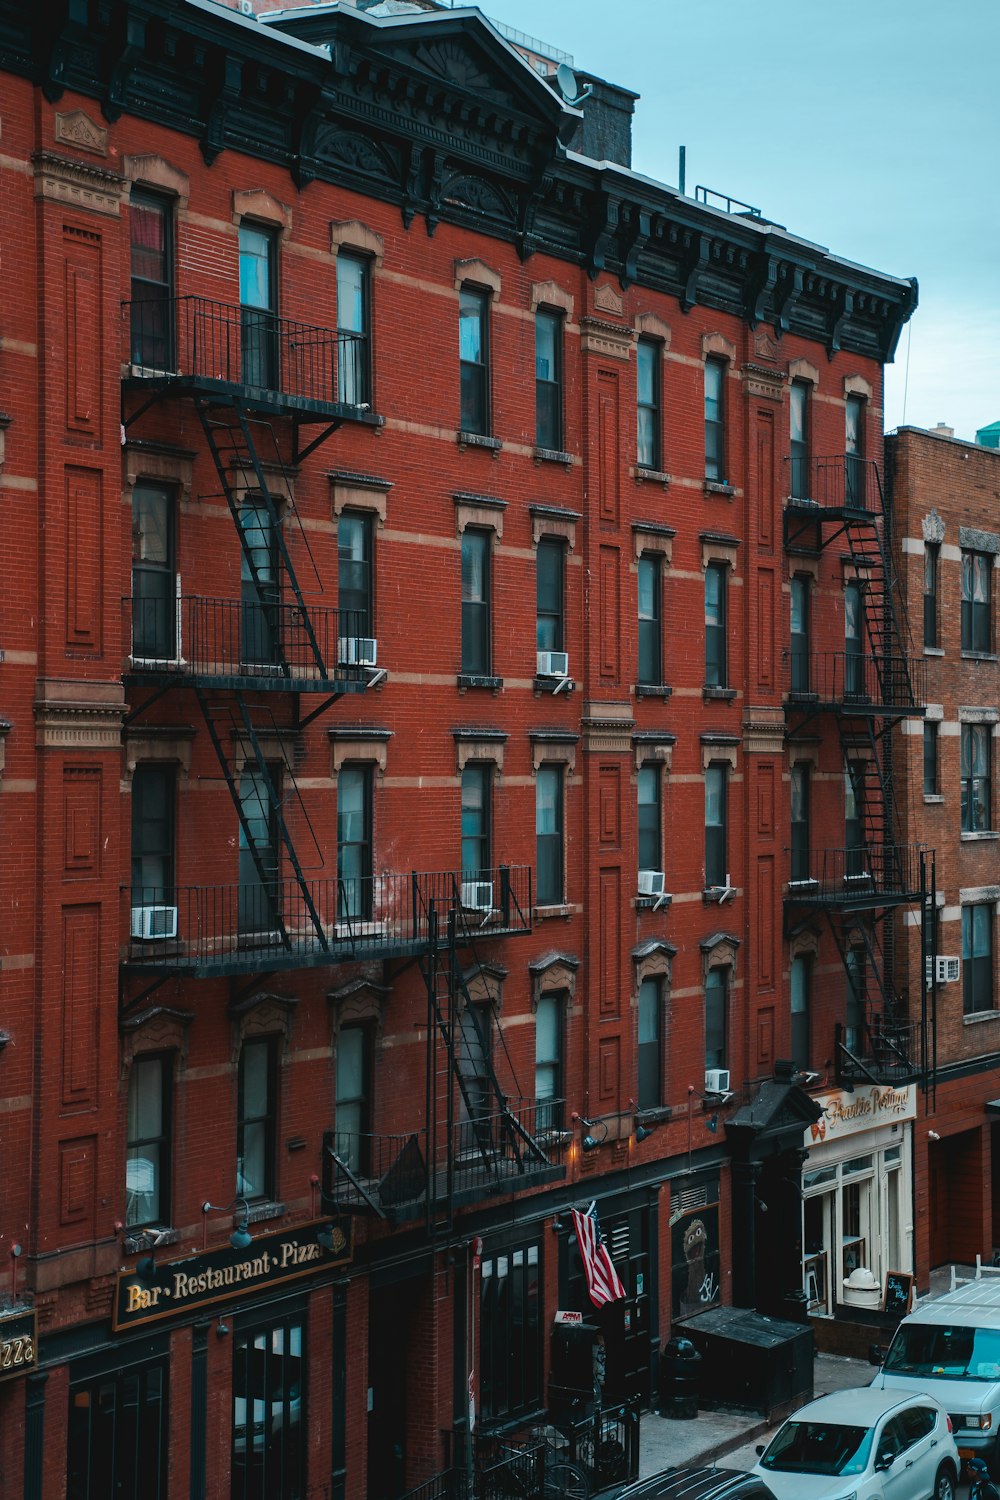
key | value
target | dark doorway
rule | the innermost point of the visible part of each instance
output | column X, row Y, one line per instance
column 389, row 1343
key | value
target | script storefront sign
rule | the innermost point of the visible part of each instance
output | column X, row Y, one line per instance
column 18, row 1343
column 172, row 1287
column 845, row 1113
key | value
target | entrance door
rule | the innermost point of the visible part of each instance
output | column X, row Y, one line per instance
column 388, row 1347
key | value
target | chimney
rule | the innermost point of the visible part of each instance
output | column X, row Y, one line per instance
column 942, row 430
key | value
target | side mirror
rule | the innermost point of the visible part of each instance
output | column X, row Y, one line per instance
column 876, row 1354
column 759, row 1449
column 883, row 1462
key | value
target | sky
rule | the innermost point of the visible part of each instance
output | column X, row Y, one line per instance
column 872, row 129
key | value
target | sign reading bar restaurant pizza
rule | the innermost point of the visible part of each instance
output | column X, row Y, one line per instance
column 171, row 1287
column 18, row 1343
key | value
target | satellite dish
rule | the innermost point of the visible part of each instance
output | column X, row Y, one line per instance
column 568, row 86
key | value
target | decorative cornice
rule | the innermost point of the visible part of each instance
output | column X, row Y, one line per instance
column 763, row 730
column 761, row 382
column 78, row 715
column 607, row 339
column 76, row 128
column 607, row 728
column 78, row 184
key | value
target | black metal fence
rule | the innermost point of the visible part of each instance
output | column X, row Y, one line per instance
column 889, row 1050
column 844, row 481
column 863, row 875
column 248, row 347
column 855, row 679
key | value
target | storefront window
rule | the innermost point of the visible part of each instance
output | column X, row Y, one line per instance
column 268, row 1454
column 117, row 1437
column 510, row 1333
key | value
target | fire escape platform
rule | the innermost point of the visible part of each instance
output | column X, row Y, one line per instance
column 341, row 680
column 256, row 399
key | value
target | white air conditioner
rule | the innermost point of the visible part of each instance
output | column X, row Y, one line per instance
column 651, row 882
column 152, row 922
column 552, row 664
column 246, row 7
column 949, row 969
column 357, row 651
column 717, row 1081
column 477, row 895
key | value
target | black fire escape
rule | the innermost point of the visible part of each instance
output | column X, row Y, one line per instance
column 868, row 688
column 261, row 668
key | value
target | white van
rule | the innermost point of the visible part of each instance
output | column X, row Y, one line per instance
column 950, row 1349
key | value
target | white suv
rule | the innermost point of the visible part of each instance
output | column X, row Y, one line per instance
column 863, row 1444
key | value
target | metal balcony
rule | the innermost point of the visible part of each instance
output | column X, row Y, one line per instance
column 263, row 647
column 857, row 879
column 192, row 344
column 882, row 1051
column 498, row 1152
column 854, row 684
column 842, row 484
column 214, row 930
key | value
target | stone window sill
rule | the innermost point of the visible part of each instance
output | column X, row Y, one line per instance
column 715, row 895
column 931, row 798
column 977, row 1017
column 651, row 476
column 978, row 836
column 650, row 690
column 260, row 1212
column 478, row 440
column 720, row 487
column 652, row 903
column 658, row 1114
column 150, row 1237
column 552, row 456
column 554, row 685
column 468, row 680
column 718, row 694
column 542, row 913
column 934, row 651
column 980, row 656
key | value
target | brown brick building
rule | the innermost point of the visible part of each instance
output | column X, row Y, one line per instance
column 449, row 638
column 946, row 520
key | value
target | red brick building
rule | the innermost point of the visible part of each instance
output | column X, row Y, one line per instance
column 448, row 580
column 944, row 501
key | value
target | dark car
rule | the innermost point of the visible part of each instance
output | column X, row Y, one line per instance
column 698, row 1483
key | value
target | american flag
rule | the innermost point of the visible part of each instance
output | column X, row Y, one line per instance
column 603, row 1281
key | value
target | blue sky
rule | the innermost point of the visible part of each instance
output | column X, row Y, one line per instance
column 873, row 129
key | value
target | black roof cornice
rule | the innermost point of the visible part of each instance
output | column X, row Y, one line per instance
column 437, row 114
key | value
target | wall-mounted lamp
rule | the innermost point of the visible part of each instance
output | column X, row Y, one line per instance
column 146, row 1268
column 324, row 1238
column 712, row 1123
column 642, row 1133
column 932, row 1135
column 221, row 1329
column 241, row 1238
column 557, row 1226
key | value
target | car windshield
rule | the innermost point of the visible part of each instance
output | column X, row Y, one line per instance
column 945, row 1353
column 819, row 1448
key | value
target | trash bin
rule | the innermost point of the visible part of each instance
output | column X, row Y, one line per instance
column 679, row 1364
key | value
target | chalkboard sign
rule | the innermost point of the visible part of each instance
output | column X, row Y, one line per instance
column 898, row 1292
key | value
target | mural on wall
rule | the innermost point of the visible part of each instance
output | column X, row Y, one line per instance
column 694, row 1247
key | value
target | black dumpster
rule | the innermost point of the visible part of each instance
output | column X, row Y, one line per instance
column 750, row 1362
column 680, row 1363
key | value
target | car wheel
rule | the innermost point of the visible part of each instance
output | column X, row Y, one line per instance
column 563, row 1479
column 944, row 1484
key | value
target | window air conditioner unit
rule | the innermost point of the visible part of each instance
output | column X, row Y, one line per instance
column 651, row 882
column 717, row 1081
column 477, row 895
column 552, row 664
column 357, row 651
column 949, row 969
column 150, row 923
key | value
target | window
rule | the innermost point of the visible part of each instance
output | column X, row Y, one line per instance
column 931, row 785
column 977, row 959
column 715, row 418
column 976, row 569
column 353, row 1074
column 153, row 789
column 549, row 836
column 716, row 674
column 716, row 874
column 857, row 984
column 260, row 630
column 650, row 830
column 976, row 809
column 649, row 418
column 147, row 1155
column 856, row 862
column 152, row 287
column 259, row 306
column 116, row 1440
column 715, row 1018
column 354, row 844
column 548, row 1063
column 932, row 570
column 473, row 343
column 549, row 568
column 799, row 639
column 548, row 380
column 477, row 779
column 650, row 1094
column 854, row 666
column 259, row 894
column 353, row 330
column 798, row 989
column 512, row 1337
column 650, row 628
column 269, row 1415
column 256, row 1123
column 475, row 603
column 355, row 576
column 799, row 803
column 475, row 1066
column 154, row 606
column 799, row 435
column 854, row 451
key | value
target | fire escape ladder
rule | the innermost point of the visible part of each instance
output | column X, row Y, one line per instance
column 237, row 457
column 875, row 807
column 886, row 626
column 244, row 732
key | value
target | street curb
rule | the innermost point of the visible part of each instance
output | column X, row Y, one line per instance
column 729, row 1445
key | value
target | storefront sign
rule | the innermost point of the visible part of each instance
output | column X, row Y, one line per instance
column 569, row 1317
column 18, row 1343
column 865, row 1109
column 179, row 1286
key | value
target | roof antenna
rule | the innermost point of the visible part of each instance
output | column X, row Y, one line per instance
column 682, row 169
